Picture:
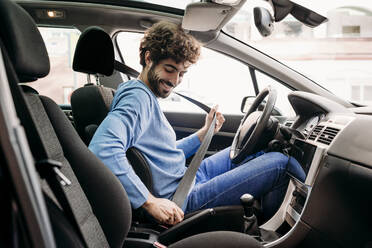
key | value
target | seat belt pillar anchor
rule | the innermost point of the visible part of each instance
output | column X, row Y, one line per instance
column 64, row 181
column 47, row 166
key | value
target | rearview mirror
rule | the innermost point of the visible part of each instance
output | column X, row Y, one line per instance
column 308, row 17
column 263, row 21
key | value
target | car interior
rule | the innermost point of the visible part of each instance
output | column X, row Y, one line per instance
column 57, row 193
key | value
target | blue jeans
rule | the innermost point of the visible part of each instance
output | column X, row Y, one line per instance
column 219, row 182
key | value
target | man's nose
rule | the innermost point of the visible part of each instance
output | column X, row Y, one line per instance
column 175, row 80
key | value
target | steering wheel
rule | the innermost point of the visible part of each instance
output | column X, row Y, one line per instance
column 252, row 125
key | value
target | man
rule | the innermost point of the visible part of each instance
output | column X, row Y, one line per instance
column 135, row 119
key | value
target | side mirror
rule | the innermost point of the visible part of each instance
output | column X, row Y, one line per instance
column 263, row 21
column 248, row 101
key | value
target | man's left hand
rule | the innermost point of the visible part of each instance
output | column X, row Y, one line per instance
column 208, row 120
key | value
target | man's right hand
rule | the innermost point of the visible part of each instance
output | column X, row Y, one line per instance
column 163, row 210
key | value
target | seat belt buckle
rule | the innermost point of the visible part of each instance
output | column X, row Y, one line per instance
column 47, row 166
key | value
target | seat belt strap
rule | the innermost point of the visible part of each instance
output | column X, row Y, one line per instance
column 187, row 180
column 123, row 68
column 196, row 102
column 47, row 168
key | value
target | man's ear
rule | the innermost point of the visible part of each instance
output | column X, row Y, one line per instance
column 148, row 60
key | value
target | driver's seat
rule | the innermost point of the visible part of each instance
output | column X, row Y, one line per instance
column 90, row 104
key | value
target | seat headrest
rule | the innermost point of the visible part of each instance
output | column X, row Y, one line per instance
column 23, row 42
column 94, row 52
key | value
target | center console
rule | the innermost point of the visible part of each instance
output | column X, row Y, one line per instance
column 309, row 156
column 227, row 218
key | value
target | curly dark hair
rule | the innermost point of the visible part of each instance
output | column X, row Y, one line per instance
column 168, row 40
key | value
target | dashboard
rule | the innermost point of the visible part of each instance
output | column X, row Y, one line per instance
column 311, row 123
column 337, row 158
column 319, row 120
column 326, row 129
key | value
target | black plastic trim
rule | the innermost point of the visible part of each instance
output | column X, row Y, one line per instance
column 131, row 4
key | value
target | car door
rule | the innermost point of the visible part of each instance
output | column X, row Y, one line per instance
column 186, row 124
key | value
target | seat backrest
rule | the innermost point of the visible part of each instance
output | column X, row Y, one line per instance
column 94, row 55
column 103, row 209
column 90, row 105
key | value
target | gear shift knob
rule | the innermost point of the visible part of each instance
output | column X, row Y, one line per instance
column 250, row 220
column 247, row 201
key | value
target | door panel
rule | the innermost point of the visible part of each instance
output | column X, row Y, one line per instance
column 185, row 124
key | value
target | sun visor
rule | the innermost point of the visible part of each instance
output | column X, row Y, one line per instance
column 208, row 16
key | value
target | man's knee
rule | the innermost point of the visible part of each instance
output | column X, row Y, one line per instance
column 279, row 159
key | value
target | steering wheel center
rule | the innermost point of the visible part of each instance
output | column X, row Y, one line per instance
column 248, row 126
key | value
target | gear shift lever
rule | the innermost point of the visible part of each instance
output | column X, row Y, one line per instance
column 247, row 201
column 250, row 220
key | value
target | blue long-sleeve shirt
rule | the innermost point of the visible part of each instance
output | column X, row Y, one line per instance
column 136, row 120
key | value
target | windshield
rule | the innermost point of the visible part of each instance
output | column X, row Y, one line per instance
column 337, row 54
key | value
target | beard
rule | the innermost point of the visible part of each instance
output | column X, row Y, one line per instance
column 155, row 81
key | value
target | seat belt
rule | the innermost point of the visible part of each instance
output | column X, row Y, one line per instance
column 123, row 68
column 187, row 180
column 196, row 102
column 48, row 168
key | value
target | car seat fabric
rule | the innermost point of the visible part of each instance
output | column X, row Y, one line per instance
column 87, row 221
column 90, row 105
column 94, row 53
column 104, row 191
column 112, row 215
column 82, row 211
column 218, row 239
column 20, row 29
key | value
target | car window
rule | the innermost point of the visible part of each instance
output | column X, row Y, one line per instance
column 62, row 80
column 335, row 54
column 282, row 102
column 214, row 79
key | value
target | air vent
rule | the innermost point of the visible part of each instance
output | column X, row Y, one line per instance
column 328, row 135
column 288, row 123
column 316, row 132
